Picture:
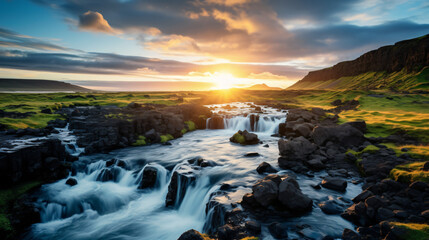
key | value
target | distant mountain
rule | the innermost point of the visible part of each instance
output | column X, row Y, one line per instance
column 403, row 66
column 262, row 86
column 38, row 85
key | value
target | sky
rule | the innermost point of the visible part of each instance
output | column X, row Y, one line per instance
column 195, row 44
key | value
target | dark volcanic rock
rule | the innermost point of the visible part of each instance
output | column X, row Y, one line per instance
column 265, row 167
column 291, row 197
column 265, row 192
column 71, row 181
column 245, row 138
column 344, row 135
column 295, row 149
column 149, row 177
column 191, row 235
column 337, row 184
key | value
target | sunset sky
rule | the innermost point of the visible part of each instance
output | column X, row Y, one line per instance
column 197, row 44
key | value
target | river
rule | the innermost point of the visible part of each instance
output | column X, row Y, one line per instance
column 117, row 209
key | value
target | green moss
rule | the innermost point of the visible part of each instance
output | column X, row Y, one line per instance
column 408, row 173
column 141, row 140
column 239, row 138
column 166, row 138
column 413, row 231
column 183, row 131
column 191, row 125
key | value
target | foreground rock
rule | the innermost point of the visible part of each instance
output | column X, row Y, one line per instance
column 245, row 138
column 336, row 184
column 44, row 159
column 282, row 194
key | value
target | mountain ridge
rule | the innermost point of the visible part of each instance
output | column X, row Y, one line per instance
column 12, row 84
column 394, row 65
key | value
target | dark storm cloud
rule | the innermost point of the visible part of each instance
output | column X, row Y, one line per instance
column 10, row 39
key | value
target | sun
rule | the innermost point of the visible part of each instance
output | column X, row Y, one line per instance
column 223, row 80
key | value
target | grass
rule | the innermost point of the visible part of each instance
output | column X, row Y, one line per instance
column 191, row 125
column 411, row 172
column 24, row 102
column 413, row 231
column 398, row 81
column 7, row 198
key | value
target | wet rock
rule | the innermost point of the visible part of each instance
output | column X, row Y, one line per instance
column 149, row 177
column 349, row 234
column 216, row 122
column 46, row 111
column 278, row 230
column 265, row 192
column 265, row 167
column 253, row 226
column 291, row 197
column 362, row 196
column 336, row 184
column 180, row 181
column 331, row 207
column 316, row 164
column 191, row 235
column 71, row 181
column 296, row 149
column 252, row 154
column 245, row 138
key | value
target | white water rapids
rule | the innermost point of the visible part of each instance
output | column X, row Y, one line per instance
column 117, row 209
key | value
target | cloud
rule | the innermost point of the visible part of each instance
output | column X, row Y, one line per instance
column 266, row 76
column 94, row 21
column 10, row 39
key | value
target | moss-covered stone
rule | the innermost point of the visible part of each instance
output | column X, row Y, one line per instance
column 413, row 231
column 411, row 172
column 141, row 140
column 166, row 138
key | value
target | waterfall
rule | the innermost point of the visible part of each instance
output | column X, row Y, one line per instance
column 266, row 124
column 68, row 140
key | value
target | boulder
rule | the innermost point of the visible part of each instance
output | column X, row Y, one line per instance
column 71, row 181
column 265, row 192
column 191, row 235
column 349, row 234
column 296, row 149
column 331, row 207
column 149, row 177
column 344, row 135
column 244, row 138
column 292, row 198
column 265, row 167
column 334, row 183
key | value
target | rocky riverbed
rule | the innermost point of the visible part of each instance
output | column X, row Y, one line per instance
column 296, row 177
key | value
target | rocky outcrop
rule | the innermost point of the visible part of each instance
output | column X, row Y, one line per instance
column 282, row 194
column 42, row 160
column 411, row 55
column 101, row 129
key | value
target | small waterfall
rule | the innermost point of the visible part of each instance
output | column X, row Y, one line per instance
column 68, row 140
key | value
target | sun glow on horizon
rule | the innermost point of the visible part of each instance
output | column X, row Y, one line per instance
column 224, row 80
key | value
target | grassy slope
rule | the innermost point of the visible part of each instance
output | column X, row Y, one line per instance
column 373, row 80
column 14, row 102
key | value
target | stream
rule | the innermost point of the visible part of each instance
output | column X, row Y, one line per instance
column 117, row 209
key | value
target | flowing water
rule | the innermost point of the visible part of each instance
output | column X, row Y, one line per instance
column 117, row 209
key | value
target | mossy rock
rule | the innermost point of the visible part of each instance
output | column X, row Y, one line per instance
column 141, row 140
column 413, row 231
column 411, row 172
column 166, row 138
